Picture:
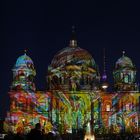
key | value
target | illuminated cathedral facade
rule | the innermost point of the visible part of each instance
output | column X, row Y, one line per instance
column 75, row 95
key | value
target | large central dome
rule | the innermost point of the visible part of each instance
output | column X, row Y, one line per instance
column 73, row 56
column 73, row 68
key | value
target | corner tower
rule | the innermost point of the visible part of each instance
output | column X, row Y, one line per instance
column 23, row 74
column 125, row 75
column 23, row 101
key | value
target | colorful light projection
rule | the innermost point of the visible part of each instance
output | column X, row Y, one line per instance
column 124, row 113
column 27, row 106
column 73, row 69
column 74, row 96
column 125, row 75
column 23, row 74
column 32, row 108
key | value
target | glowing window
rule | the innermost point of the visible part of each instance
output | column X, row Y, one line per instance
column 121, row 75
column 107, row 107
column 127, row 107
column 73, row 42
column 126, row 78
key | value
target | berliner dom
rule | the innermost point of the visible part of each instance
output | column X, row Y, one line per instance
column 75, row 99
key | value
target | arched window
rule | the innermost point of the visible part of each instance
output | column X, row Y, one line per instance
column 126, row 77
column 121, row 76
column 107, row 107
column 127, row 107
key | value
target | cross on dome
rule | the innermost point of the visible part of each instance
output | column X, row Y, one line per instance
column 123, row 53
column 25, row 51
column 73, row 41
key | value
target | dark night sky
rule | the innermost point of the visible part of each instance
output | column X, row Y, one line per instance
column 44, row 27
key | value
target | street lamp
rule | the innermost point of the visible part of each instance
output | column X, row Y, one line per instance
column 104, row 86
column 23, row 121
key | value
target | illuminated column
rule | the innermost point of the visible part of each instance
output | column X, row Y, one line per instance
column 123, row 121
column 138, row 125
column 92, row 114
column 99, row 113
column 57, row 111
column 50, row 108
column 28, row 104
column 62, row 122
column 138, row 109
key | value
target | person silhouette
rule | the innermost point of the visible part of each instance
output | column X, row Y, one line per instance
column 36, row 133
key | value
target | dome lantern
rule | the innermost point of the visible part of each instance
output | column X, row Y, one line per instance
column 73, row 41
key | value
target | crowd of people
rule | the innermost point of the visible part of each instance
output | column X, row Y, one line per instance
column 39, row 134
column 123, row 136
